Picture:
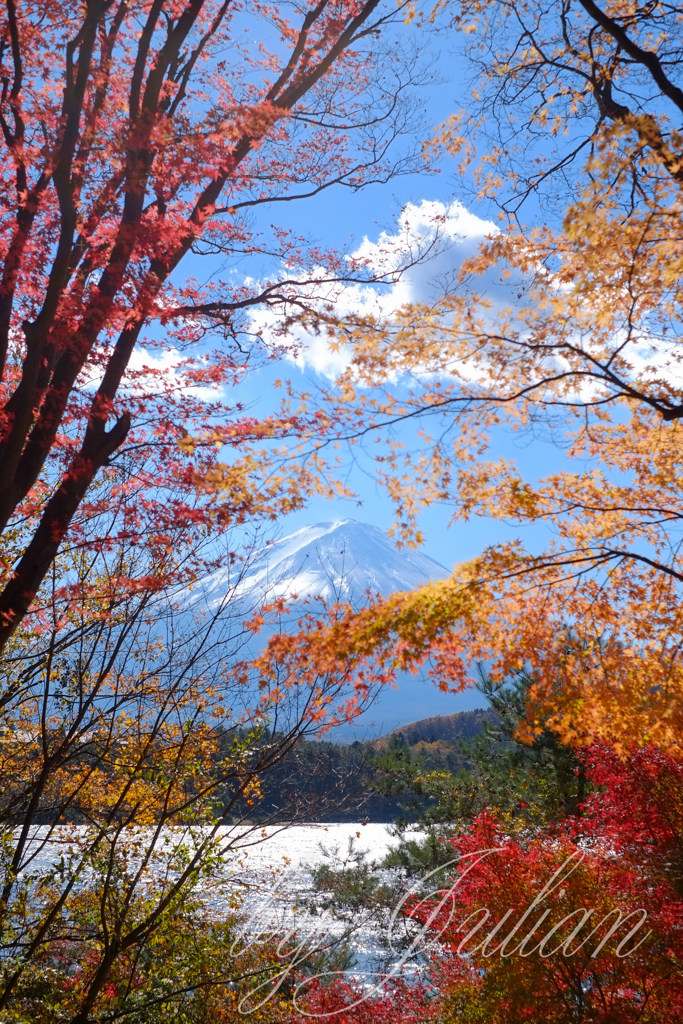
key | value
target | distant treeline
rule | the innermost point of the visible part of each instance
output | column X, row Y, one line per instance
column 460, row 726
column 325, row 781
column 440, row 772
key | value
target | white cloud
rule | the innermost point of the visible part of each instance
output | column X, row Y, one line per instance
column 418, row 261
column 164, row 369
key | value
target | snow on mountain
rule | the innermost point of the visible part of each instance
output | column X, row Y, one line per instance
column 343, row 561
column 337, row 561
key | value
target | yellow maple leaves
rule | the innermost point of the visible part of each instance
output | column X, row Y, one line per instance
column 580, row 344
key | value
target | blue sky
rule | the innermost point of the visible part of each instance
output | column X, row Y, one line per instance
column 346, row 220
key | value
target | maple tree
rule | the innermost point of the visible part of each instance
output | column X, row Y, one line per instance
column 502, row 914
column 138, row 134
column 569, row 331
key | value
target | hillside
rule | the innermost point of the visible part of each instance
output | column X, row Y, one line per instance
column 461, row 725
column 324, row 781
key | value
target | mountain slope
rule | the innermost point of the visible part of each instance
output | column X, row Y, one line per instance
column 460, row 726
column 338, row 561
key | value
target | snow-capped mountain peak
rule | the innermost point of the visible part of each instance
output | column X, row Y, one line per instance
column 337, row 561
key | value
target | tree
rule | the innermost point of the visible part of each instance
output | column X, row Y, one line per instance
column 526, row 784
column 579, row 344
column 502, row 924
column 135, row 756
column 138, row 134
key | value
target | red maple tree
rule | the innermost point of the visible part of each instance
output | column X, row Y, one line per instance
column 512, row 939
column 138, row 133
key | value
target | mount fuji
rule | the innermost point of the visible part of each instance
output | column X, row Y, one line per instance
column 338, row 561
column 344, row 561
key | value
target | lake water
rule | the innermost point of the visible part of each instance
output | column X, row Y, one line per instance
column 269, row 871
column 281, row 892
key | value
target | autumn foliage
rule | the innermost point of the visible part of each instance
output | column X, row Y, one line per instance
column 140, row 137
column 137, row 135
column 563, row 328
column 550, row 927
